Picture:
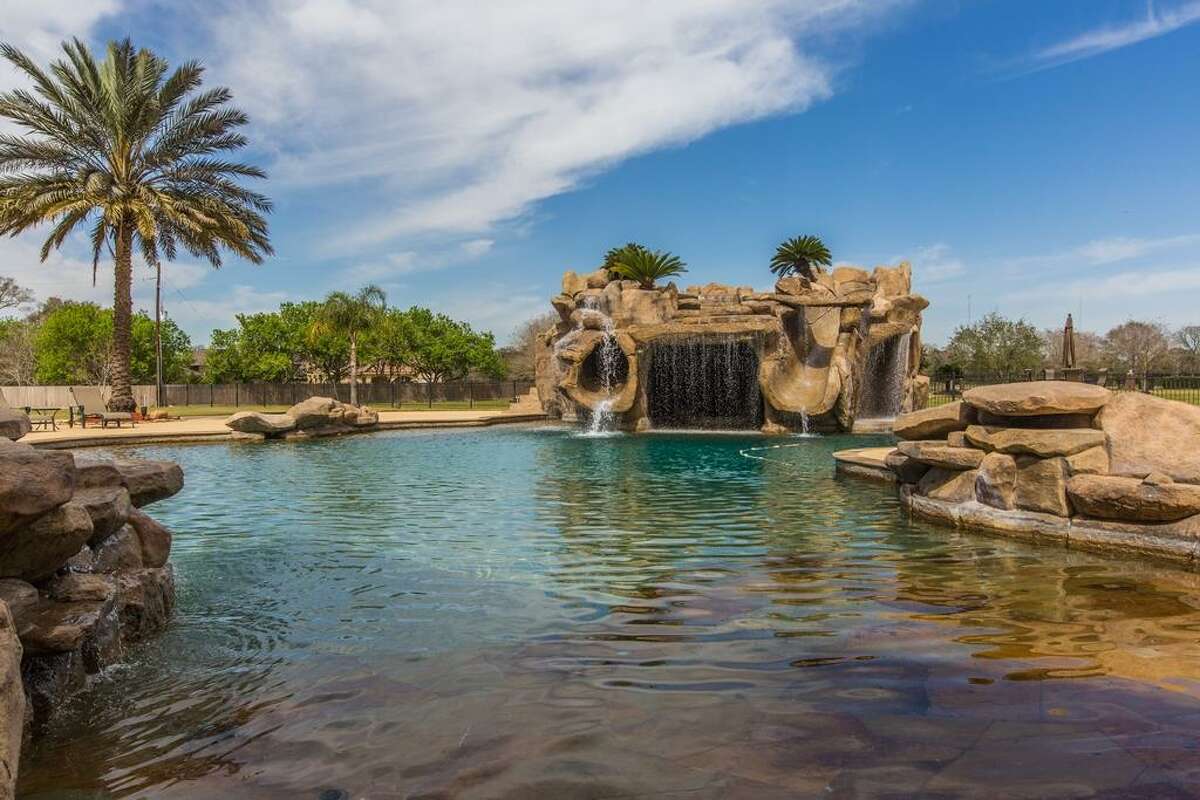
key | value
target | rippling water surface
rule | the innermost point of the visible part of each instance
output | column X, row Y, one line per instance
column 532, row 614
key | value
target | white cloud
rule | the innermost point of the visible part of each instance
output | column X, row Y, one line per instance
column 1157, row 22
column 477, row 247
column 1119, row 285
column 935, row 263
column 464, row 114
column 38, row 27
column 1110, row 251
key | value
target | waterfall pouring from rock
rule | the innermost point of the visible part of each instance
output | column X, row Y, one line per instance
column 883, row 378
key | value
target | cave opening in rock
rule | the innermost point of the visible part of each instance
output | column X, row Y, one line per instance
column 883, row 379
column 605, row 369
column 704, row 382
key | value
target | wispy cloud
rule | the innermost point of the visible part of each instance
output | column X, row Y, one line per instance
column 935, row 263
column 1156, row 22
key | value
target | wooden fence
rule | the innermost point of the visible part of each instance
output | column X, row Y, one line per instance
column 393, row 395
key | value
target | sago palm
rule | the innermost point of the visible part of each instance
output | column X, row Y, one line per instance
column 351, row 315
column 800, row 256
column 131, row 151
column 636, row 263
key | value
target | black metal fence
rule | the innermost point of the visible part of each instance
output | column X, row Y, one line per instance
column 391, row 395
column 1185, row 388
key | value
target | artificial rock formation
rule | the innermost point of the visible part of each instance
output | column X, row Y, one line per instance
column 1058, row 461
column 818, row 352
column 311, row 418
column 83, row 573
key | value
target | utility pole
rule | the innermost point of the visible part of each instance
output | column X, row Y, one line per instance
column 158, row 383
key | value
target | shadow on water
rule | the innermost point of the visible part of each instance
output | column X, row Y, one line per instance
column 527, row 613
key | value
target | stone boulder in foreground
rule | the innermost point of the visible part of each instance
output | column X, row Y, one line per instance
column 83, row 574
column 314, row 417
column 1058, row 461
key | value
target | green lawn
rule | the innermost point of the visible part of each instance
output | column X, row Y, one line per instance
column 226, row 410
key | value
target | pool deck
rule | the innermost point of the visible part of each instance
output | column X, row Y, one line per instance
column 212, row 429
column 864, row 462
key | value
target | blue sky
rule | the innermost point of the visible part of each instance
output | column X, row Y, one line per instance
column 1034, row 157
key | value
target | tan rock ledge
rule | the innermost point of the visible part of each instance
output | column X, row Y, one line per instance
column 1035, row 442
column 1034, row 398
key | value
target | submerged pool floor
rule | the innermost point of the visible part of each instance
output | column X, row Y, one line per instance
column 532, row 614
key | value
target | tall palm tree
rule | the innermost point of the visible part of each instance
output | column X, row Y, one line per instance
column 636, row 263
column 131, row 151
column 800, row 256
column 351, row 315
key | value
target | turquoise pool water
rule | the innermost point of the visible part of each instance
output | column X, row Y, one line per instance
column 515, row 613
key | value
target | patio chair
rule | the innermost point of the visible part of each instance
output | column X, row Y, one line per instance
column 91, row 406
column 43, row 417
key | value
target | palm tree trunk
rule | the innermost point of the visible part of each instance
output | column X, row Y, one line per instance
column 353, row 371
column 121, row 398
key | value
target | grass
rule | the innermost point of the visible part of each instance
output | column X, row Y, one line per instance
column 205, row 410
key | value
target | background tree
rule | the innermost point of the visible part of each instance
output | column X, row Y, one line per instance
column 442, row 349
column 1187, row 340
column 996, row 345
column 521, row 356
column 351, row 315
column 129, row 150
column 277, row 346
column 73, row 345
column 18, row 364
column 1138, row 346
column 12, row 295
column 800, row 256
column 636, row 263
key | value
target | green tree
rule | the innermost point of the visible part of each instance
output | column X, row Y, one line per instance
column 1139, row 347
column 996, row 345
column 73, row 345
column 130, row 150
column 439, row 348
column 801, row 256
column 277, row 346
column 350, row 315
column 635, row 263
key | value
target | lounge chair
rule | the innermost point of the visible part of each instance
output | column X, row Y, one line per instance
column 39, row 416
column 91, row 406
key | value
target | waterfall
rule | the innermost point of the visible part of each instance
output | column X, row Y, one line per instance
column 883, row 379
column 704, row 382
column 608, row 357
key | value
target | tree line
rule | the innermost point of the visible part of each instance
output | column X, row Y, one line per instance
column 64, row 342
column 996, row 345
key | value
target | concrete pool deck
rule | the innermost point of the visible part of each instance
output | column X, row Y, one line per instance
column 212, row 429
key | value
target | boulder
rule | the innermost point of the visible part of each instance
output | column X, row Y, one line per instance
column 598, row 279
column 1035, row 398
column 87, row 626
column 934, row 423
column 957, row 439
column 150, row 481
column 120, row 551
column 83, row 561
column 39, row 549
column 952, row 486
column 12, row 704
column 1121, row 498
column 1149, row 434
column 154, row 538
column 20, row 597
column 255, row 422
column 1093, row 461
column 590, row 319
column 940, row 454
column 573, row 283
column 240, row 436
column 13, row 424
column 908, row 470
column 77, row 587
column 1035, row 442
column 32, row 483
column 365, row 418
column 92, row 472
column 1042, row 486
column 109, row 508
column 996, row 483
column 145, row 599
column 313, row 412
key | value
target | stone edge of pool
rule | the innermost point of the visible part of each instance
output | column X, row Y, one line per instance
column 108, row 438
column 1165, row 542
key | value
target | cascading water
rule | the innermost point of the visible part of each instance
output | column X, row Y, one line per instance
column 883, row 379
column 608, row 361
column 704, row 382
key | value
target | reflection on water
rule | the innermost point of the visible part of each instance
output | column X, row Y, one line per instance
column 525, row 613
